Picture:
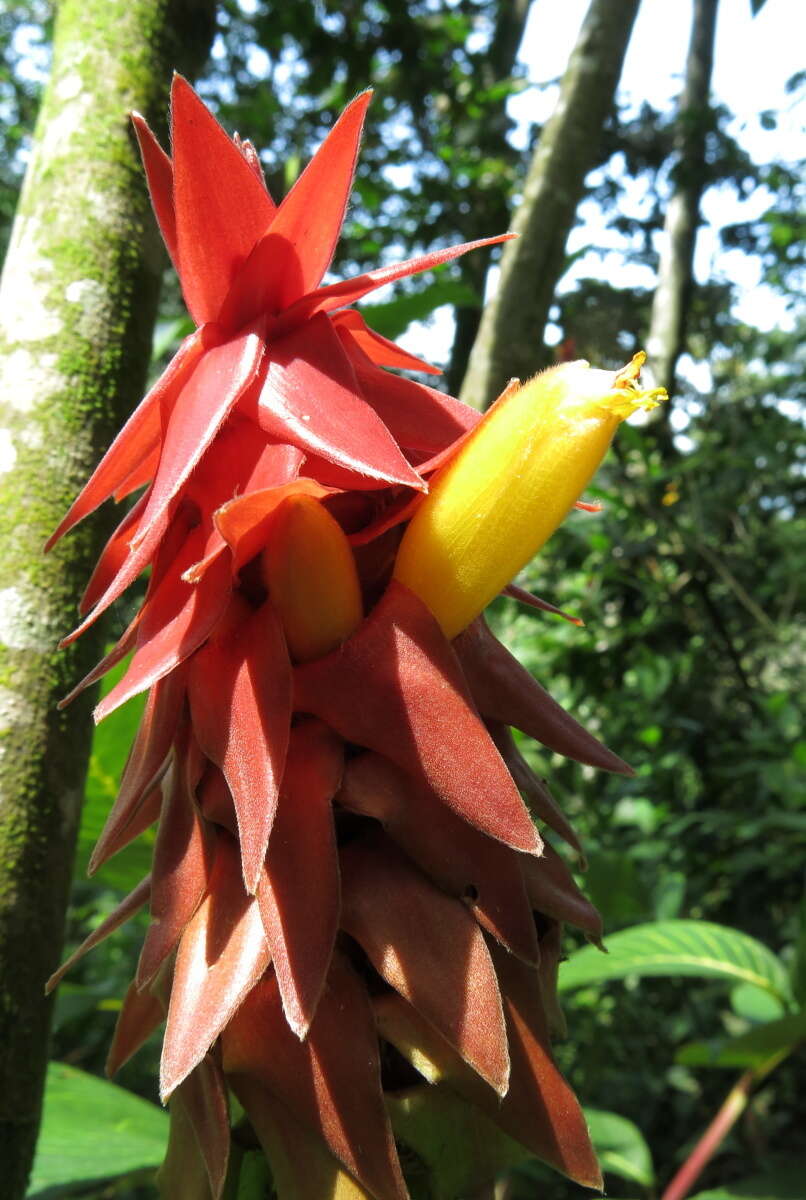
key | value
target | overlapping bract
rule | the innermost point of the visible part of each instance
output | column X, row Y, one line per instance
column 344, row 860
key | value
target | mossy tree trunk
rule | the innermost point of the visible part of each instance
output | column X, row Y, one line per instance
column 510, row 337
column 667, row 326
column 489, row 211
column 77, row 306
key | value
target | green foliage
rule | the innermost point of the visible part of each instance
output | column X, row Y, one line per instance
column 749, row 1049
column 394, row 317
column 621, row 1147
column 691, row 948
column 93, row 1131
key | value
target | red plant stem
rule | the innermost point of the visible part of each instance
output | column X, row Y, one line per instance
column 728, row 1114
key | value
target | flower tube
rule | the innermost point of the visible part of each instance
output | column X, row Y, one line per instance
column 513, row 481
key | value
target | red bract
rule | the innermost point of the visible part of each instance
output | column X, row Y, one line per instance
column 344, row 860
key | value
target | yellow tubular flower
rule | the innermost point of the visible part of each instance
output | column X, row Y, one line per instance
column 310, row 572
column 498, row 501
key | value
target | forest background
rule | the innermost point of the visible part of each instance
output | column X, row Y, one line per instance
column 690, row 661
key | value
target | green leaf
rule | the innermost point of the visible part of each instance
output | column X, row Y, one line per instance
column 110, row 747
column 93, row 1130
column 615, row 886
column 690, row 948
column 393, row 317
column 753, row 1004
column 749, row 1049
column 254, row 1177
column 620, row 1146
column 459, row 1149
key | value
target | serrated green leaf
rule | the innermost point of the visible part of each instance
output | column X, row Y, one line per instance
column 749, row 1049
column 620, row 1146
column 93, row 1130
column 688, row 948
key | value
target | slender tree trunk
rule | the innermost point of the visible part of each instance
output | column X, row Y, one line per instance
column 510, row 337
column 667, row 325
column 490, row 208
column 77, row 305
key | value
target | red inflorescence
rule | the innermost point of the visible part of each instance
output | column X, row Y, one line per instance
column 345, row 874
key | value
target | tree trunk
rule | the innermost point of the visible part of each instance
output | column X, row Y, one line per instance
column 510, row 337
column 77, row 305
column 667, row 326
column 490, row 211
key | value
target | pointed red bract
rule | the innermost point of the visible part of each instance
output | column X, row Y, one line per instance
column 310, row 397
column 184, row 1171
column 534, row 791
column 175, row 621
column 330, row 1082
column 468, row 865
column 428, row 948
column 352, row 328
column 301, row 1164
column 518, row 593
column 145, row 764
column 506, row 692
column 418, row 417
column 160, row 175
column 122, row 647
column 395, row 687
column 222, row 955
column 240, row 701
column 181, row 875
column 540, row 1111
column 140, row 1015
column 124, row 912
column 222, row 208
column 136, row 439
column 113, row 556
column 299, row 893
column 552, row 891
column 214, row 388
column 203, row 1097
column 339, row 295
column 308, row 222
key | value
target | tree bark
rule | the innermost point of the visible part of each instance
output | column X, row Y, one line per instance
column 510, row 337
column 667, row 326
column 77, row 305
column 490, row 210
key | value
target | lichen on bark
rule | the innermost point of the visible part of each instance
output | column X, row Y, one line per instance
column 77, row 305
